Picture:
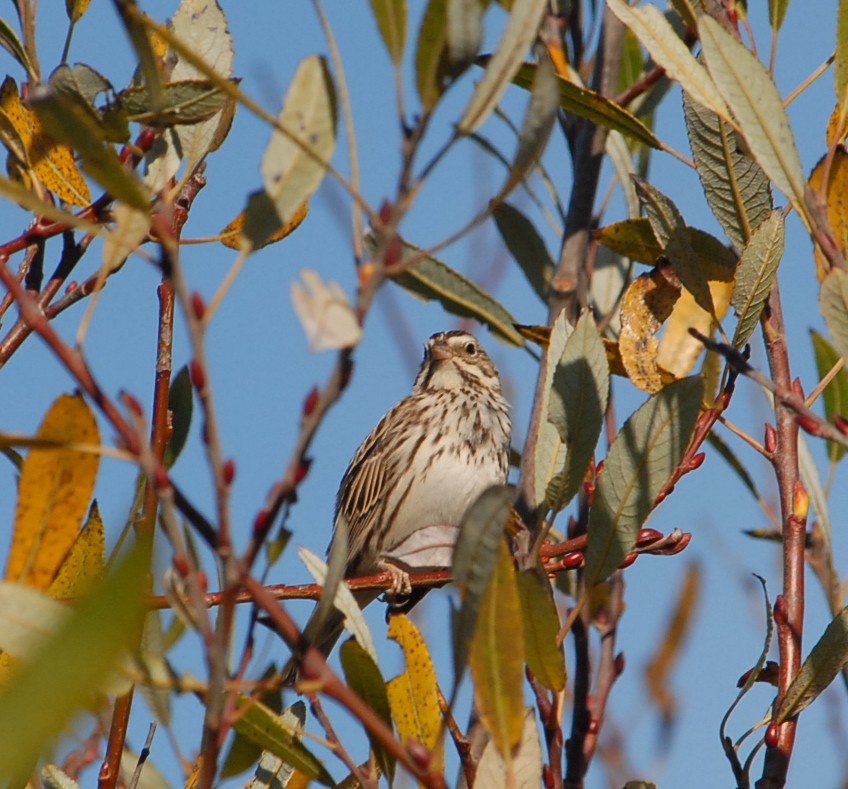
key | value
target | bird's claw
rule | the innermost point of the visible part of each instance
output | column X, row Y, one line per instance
column 401, row 584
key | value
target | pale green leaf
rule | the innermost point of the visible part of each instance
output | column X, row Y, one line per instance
column 12, row 44
column 526, row 246
column 824, row 662
column 510, row 52
column 777, row 11
column 391, row 22
column 578, row 403
column 755, row 275
column 525, row 766
column 835, row 394
column 667, row 50
column 736, row 188
column 833, row 302
column 464, row 31
column 544, row 656
column 757, row 106
column 641, row 459
column 431, row 74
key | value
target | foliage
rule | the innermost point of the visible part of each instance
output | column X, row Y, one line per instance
column 635, row 354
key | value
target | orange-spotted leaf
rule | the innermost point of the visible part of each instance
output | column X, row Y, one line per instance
column 53, row 494
column 231, row 235
column 84, row 564
column 496, row 657
column 414, row 694
column 50, row 162
column 835, row 196
column 647, row 304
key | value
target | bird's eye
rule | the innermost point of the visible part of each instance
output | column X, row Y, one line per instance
column 470, row 349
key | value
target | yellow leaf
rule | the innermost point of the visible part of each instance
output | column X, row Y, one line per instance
column 76, row 8
column 414, row 694
column 83, row 566
column 678, row 349
column 53, row 494
column 230, row 236
column 541, row 335
column 50, row 162
column 646, row 305
column 496, row 658
column 836, row 200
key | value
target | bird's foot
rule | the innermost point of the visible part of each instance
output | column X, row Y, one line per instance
column 400, row 578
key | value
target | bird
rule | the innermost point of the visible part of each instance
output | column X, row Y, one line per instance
column 420, row 468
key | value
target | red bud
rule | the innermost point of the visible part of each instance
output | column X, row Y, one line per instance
column 198, row 306
column 310, row 401
column 572, row 560
column 770, row 443
column 71, row 286
column 198, row 376
column 798, row 389
column 841, row 424
column 385, row 212
column 697, row 461
column 808, row 424
column 146, row 138
column 229, row 471
column 393, row 251
column 619, row 664
column 772, row 735
column 628, row 560
column 647, row 536
column 781, row 612
column 202, row 581
column 132, row 404
column 180, row 563
column 302, row 470
column 259, row 521
column 594, row 726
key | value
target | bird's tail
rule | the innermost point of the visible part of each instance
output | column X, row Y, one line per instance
column 323, row 634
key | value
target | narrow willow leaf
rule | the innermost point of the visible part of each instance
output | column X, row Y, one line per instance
column 432, row 280
column 840, row 69
column 833, row 303
column 140, row 39
column 465, row 30
column 640, row 461
column 549, row 457
column 496, row 657
column 526, row 246
column 624, row 167
column 777, row 11
column 414, row 694
column 53, row 494
column 521, row 28
column 667, row 50
column 736, row 188
column 592, row 106
column 294, row 162
column 474, row 558
column 71, row 665
column 670, row 231
column 525, row 767
column 201, row 27
column 180, row 406
column 391, row 22
column 183, row 103
column 824, row 662
column 12, row 44
column 364, row 677
column 70, row 121
column 85, row 562
column 273, row 733
column 578, row 402
column 541, row 624
column 536, row 127
column 755, row 275
column 431, row 75
column 757, row 106
column 835, row 394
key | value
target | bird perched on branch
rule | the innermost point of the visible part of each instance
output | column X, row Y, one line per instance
column 403, row 496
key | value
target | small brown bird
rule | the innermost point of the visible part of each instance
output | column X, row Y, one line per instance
column 421, row 467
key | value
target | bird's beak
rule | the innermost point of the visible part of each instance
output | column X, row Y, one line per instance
column 440, row 352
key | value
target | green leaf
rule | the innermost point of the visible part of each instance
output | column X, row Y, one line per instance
column 140, row 40
column 432, row 280
column 578, row 403
column 520, row 31
column 67, row 119
column 824, row 662
column 592, row 106
column 496, row 656
column 836, row 392
column 180, row 404
column 12, row 44
column 541, row 624
column 464, row 30
column 294, row 163
column 755, row 275
column 667, row 50
column 277, row 735
column 365, row 679
column 185, row 102
column 833, row 303
column 640, row 461
column 757, row 106
column 391, row 22
column 736, row 188
column 71, row 665
column 474, row 557
column 526, row 246
column 431, row 74
column 777, row 11
column 670, row 231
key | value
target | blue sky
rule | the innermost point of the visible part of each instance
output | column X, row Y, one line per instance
column 261, row 370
